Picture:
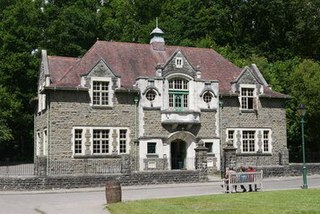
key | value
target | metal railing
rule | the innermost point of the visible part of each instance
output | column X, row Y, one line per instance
column 84, row 167
column 9, row 169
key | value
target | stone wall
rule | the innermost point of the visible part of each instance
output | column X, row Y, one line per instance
column 67, row 182
column 294, row 169
column 138, row 178
column 71, row 108
column 270, row 114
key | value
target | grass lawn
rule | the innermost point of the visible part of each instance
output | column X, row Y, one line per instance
column 290, row 201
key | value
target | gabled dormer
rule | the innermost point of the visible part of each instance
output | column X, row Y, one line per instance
column 249, row 85
column 179, row 64
column 101, row 82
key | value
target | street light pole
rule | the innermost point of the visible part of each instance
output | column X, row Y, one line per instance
column 302, row 112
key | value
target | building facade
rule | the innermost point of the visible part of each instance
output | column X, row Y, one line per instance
column 127, row 107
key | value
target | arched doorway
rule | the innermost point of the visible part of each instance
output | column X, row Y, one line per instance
column 178, row 154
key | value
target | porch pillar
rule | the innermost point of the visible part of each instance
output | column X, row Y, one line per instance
column 230, row 158
column 40, row 166
column 201, row 161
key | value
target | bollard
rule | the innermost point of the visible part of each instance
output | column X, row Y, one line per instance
column 113, row 192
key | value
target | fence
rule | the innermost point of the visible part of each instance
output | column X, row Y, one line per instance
column 9, row 169
column 84, row 167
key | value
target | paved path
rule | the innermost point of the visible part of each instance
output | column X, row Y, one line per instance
column 92, row 200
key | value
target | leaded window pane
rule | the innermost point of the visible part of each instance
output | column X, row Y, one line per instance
column 123, row 141
column 247, row 97
column 248, row 142
column 78, row 141
column 100, row 93
column 100, row 141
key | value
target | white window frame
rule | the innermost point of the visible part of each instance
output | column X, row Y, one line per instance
column 45, row 142
column 155, row 147
column 256, row 139
column 123, row 139
column 75, row 138
column 38, row 143
column 266, row 141
column 41, row 99
column 179, row 62
column 101, row 139
column 110, row 140
column 211, row 147
column 249, row 137
column 244, row 99
column 109, row 91
column 231, row 136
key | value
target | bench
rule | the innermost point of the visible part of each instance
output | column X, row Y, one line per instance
column 243, row 178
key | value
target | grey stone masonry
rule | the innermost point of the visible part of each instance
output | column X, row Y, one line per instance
column 139, row 178
column 68, row 109
column 230, row 159
column 201, row 161
column 269, row 114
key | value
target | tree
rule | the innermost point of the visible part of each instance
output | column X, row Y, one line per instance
column 306, row 90
column 72, row 29
column 18, row 71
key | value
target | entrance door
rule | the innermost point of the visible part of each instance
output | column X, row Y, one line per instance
column 178, row 154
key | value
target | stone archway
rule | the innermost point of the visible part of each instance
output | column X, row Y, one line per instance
column 182, row 154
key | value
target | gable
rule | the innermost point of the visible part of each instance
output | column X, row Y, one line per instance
column 178, row 63
column 100, row 70
column 247, row 78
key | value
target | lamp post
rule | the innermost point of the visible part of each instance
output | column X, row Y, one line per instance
column 302, row 113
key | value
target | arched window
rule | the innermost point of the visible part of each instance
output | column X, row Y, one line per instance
column 178, row 94
column 151, row 95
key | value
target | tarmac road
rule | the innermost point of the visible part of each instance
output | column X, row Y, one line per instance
column 92, row 200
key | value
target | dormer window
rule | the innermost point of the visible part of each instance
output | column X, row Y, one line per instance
column 178, row 94
column 179, row 62
column 247, row 98
column 100, row 92
column 101, row 95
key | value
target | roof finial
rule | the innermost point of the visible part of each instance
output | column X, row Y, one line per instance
column 156, row 22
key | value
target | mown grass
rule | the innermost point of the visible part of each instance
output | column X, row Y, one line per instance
column 290, row 201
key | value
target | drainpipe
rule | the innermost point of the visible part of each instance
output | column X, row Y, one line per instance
column 48, row 133
column 136, row 99
column 221, row 133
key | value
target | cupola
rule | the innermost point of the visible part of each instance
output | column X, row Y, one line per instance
column 157, row 40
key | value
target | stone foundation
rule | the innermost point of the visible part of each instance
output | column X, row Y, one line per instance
column 68, row 182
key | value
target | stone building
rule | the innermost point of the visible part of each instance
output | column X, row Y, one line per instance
column 127, row 107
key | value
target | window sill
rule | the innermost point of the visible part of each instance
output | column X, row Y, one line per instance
column 96, row 156
column 248, row 110
column 208, row 110
column 253, row 154
column 152, row 156
column 101, row 107
column 151, row 108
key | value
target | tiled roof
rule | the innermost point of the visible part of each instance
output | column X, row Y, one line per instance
column 59, row 66
column 132, row 60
